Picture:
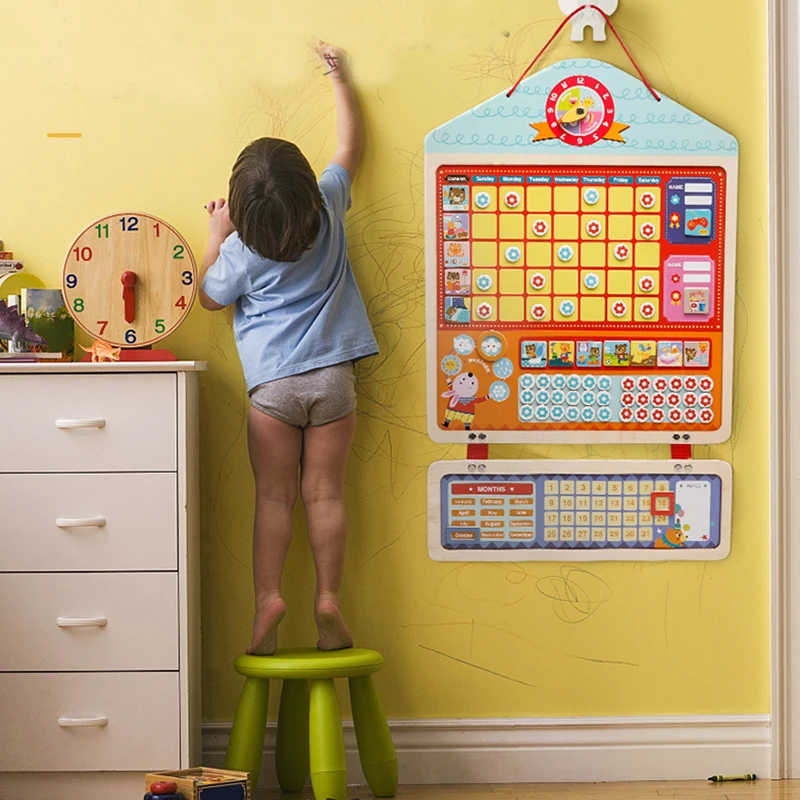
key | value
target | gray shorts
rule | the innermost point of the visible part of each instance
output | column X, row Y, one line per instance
column 310, row 399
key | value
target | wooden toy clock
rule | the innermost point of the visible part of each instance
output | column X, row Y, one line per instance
column 129, row 280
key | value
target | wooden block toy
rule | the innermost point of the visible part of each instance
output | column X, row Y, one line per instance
column 163, row 787
column 198, row 783
column 6, row 255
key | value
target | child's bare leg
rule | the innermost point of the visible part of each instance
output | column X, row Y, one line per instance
column 325, row 452
column 274, row 455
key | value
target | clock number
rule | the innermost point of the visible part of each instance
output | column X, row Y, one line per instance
column 160, row 327
column 158, row 229
column 103, row 323
column 187, row 278
column 77, row 305
column 71, row 280
column 130, row 336
column 129, row 224
column 177, row 251
column 101, row 230
column 83, row 253
column 181, row 303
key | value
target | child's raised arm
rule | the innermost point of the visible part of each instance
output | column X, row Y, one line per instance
column 219, row 228
column 348, row 115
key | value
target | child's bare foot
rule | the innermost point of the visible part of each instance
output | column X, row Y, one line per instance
column 269, row 613
column 333, row 633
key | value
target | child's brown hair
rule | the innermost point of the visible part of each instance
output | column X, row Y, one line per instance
column 274, row 199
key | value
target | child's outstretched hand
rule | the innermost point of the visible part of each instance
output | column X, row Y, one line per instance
column 219, row 223
column 334, row 59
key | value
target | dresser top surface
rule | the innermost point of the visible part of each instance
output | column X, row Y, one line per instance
column 44, row 368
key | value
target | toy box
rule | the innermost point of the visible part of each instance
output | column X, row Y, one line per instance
column 204, row 783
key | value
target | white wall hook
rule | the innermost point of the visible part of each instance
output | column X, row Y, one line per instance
column 588, row 17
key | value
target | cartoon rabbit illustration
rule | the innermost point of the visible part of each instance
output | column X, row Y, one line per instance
column 462, row 393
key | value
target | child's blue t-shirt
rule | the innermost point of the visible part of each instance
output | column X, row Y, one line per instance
column 293, row 317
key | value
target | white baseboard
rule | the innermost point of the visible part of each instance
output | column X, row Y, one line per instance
column 579, row 749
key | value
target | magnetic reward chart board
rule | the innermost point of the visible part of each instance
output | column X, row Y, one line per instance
column 580, row 259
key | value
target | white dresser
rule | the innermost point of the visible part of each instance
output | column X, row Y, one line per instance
column 99, row 577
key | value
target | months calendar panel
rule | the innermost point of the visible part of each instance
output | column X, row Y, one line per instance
column 581, row 299
column 511, row 511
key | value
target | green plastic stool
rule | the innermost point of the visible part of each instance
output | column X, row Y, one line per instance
column 310, row 723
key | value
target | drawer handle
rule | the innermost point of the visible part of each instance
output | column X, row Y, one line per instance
column 83, row 722
column 80, row 522
column 89, row 422
column 81, row 622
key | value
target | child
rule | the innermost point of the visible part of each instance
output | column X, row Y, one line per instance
column 277, row 249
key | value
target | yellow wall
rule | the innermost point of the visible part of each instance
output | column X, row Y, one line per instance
column 166, row 94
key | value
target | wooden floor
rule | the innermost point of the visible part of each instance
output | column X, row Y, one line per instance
column 683, row 790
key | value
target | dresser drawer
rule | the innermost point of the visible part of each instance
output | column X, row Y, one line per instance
column 90, row 622
column 88, row 423
column 96, row 522
column 104, row 721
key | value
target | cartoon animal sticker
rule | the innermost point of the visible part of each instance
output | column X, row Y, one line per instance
column 643, row 354
column 454, row 198
column 590, row 354
column 616, row 354
column 463, row 394
column 675, row 535
column 562, row 354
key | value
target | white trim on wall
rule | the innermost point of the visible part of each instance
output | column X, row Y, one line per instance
column 784, row 277
column 580, row 749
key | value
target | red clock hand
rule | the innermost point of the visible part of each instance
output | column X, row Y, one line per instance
column 128, row 280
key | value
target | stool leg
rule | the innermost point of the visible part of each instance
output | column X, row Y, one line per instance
column 246, row 745
column 326, row 743
column 375, row 747
column 291, row 749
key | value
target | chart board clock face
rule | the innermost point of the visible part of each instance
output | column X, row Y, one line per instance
column 129, row 279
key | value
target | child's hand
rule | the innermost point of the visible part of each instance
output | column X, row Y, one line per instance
column 334, row 59
column 219, row 224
